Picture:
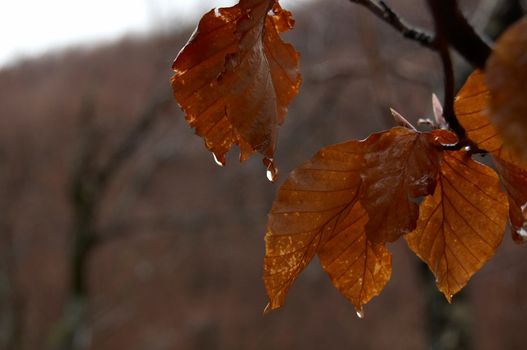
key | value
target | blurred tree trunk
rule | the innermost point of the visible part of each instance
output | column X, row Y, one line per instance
column 88, row 185
column 448, row 326
column 15, row 178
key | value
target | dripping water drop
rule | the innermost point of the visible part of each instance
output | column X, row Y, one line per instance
column 220, row 161
column 520, row 235
column 360, row 313
column 270, row 175
column 272, row 170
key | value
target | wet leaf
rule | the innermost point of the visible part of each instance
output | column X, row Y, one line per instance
column 324, row 208
column 506, row 74
column 235, row 77
column 358, row 268
column 317, row 210
column 399, row 167
column 462, row 224
column 472, row 109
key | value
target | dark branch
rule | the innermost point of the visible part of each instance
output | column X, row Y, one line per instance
column 454, row 27
column 451, row 29
column 385, row 13
column 449, row 89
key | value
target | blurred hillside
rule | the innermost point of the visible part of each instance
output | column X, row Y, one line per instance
column 92, row 143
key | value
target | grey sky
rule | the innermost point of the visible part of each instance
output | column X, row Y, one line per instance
column 31, row 27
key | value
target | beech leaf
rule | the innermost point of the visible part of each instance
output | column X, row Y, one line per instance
column 462, row 224
column 472, row 109
column 317, row 210
column 235, row 77
column 326, row 205
column 506, row 73
column 358, row 268
column 399, row 167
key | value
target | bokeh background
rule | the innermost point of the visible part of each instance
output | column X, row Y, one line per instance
column 118, row 230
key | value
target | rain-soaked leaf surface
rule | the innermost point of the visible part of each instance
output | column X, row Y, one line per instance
column 323, row 208
column 399, row 167
column 472, row 109
column 317, row 210
column 462, row 224
column 235, row 77
column 358, row 268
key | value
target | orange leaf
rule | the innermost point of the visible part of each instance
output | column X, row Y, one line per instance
column 506, row 73
column 358, row 268
column 235, row 77
column 472, row 108
column 462, row 224
column 316, row 211
column 323, row 208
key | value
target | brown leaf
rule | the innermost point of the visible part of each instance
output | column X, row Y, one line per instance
column 462, row 224
column 317, row 210
column 399, row 166
column 506, row 73
column 358, row 268
column 235, row 77
column 323, row 208
column 472, row 109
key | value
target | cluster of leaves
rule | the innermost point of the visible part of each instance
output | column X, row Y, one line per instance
column 234, row 80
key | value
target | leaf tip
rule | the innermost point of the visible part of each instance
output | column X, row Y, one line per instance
column 270, row 307
column 449, row 297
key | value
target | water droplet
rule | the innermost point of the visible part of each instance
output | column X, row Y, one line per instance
column 520, row 235
column 220, row 161
column 267, row 309
column 360, row 313
column 272, row 170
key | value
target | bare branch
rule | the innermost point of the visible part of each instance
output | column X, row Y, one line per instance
column 454, row 27
column 449, row 89
column 385, row 13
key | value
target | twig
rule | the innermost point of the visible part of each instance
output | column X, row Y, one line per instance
column 451, row 29
column 455, row 28
column 449, row 87
column 385, row 13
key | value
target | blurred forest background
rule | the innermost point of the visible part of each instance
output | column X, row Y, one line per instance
column 118, row 230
